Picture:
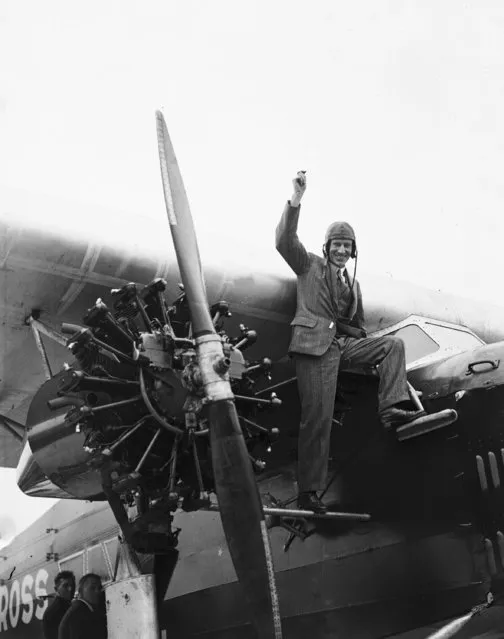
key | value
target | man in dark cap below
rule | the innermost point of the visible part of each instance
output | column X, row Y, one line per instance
column 86, row 617
column 328, row 334
column 64, row 587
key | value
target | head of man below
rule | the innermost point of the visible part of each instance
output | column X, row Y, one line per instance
column 64, row 585
column 90, row 590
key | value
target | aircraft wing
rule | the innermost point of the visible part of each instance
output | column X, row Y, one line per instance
column 57, row 258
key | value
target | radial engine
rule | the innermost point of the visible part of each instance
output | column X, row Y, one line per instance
column 126, row 421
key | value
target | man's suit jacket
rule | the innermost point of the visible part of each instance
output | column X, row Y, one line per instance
column 80, row 622
column 53, row 616
column 316, row 322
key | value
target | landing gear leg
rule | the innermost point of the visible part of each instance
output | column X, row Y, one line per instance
column 131, row 600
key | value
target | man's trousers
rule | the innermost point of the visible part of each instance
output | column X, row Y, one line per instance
column 317, row 379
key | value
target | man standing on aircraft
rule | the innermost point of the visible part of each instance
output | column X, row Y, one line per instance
column 86, row 619
column 328, row 335
column 64, row 587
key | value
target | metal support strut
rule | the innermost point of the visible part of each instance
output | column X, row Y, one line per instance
column 295, row 513
column 41, row 348
column 39, row 328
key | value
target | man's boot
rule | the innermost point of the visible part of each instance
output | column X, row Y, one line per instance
column 394, row 417
column 412, row 423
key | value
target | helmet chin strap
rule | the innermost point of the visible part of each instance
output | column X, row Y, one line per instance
column 354, row 271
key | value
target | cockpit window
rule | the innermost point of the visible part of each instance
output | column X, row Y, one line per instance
column 453, row 338
column 417, row 343
column 75, row 563
column 428, row 338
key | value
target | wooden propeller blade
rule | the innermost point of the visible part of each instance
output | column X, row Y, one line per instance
column 239, row 502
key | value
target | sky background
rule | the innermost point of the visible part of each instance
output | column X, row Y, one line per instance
column 394, row 108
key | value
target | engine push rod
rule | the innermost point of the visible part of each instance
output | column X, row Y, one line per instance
column 114, row 351
column 106, row 347
column 123, row 438
column 147, row 451
column 145, row 317
column 274, row 401
column 84, row 379
column 99, row 409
